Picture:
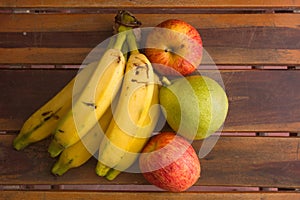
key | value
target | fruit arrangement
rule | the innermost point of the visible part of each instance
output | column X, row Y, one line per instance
column 111, row 108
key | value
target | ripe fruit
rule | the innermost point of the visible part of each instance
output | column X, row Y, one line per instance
column 195, row 106
column 132, row 122
column 174, row 47
column 170, row 162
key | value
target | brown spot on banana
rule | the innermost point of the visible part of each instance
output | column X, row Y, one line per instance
column 144, row 66
column 90, row 104
column 119, row 59
column 47, row 113
column 47, row 118
column 51, row 114
column 141, row 82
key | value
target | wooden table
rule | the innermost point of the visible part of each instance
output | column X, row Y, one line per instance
column 254, row 44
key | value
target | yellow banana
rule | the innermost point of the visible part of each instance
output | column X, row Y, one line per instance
column 129, row 129
column 44, row 121
column 93, row 101
column 97, row 94
column 80, row 152
column 137, row 143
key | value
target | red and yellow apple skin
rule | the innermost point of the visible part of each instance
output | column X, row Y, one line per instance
column 174, row 47
column 169, row 162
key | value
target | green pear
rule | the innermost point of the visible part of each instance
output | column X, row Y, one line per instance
column 194, row 106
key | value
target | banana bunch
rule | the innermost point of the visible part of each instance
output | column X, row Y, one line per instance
column 135, row 116
column 82, row 120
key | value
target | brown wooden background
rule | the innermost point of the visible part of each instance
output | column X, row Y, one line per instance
column 255, row 45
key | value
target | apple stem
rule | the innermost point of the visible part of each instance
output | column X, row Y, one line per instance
column 165, row 81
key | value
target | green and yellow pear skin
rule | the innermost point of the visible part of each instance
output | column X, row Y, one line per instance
column 194, row 106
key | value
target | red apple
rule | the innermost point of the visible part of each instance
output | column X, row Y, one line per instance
column 168, row 161
column 174, row 47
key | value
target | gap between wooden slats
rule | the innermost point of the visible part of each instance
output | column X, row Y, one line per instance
column 39, row 195
column 233, row 67
column 254, row 4
column 137, row 188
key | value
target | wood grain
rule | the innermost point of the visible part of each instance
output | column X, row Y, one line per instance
column 21, row 94
column 216, row 56
column 234, row 37
column 233, row 161
column 58, row 195
column 253, row 39
column 152, row 4
column 89, row 22
column 259, row 100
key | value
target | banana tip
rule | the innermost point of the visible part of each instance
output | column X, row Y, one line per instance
column 112, row 174
column 59, row 169
column 101, row 169
column 55, row 149
column 19, row 145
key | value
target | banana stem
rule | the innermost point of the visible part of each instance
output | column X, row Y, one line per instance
column 131, row 41
column 125, row 21
column 120, row 40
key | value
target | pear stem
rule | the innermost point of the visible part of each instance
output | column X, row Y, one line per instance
column 165, row 81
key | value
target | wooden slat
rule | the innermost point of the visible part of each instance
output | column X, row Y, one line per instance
column 233, row 161
column 153, row 4
column 256, row 39
column 252, row 57
column 217, row 55
column 57, row 195
column 103, row 22
column 33, row 88
column 43, row 55
column 215, row 31
column 260, row 40
column 260, row 100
